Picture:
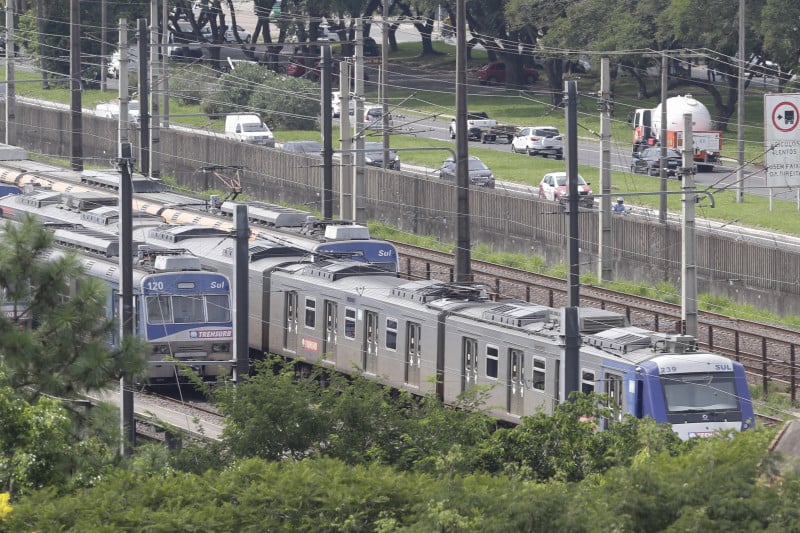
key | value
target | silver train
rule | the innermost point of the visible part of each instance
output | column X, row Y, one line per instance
column 432, row 337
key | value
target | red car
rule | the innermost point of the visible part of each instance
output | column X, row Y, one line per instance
column 495, row 72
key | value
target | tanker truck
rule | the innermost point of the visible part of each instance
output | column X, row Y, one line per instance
column 707, row 142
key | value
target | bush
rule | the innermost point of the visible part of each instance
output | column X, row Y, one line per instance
column 287, row 103
column 192, row 84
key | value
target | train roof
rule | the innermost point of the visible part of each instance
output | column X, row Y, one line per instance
column 634, row 344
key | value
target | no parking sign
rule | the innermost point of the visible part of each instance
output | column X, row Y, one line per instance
column 782, row 139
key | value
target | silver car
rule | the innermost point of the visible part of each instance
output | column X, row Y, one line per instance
column 479, row 173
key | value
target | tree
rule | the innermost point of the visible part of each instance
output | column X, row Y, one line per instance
column 67, row 351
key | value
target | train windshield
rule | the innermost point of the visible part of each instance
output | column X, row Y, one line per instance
column 697, row 393
column 193, row 309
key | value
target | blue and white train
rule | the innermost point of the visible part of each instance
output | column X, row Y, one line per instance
column 182, row 313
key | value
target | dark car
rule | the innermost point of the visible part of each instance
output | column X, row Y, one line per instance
column 495, row 72
column 648, row 161
column 374, row 156
column 303, row 147
column 479, row 173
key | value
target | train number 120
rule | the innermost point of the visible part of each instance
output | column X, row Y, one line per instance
column 154, row 285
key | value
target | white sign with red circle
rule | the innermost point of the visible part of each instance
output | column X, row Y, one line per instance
column 782, row 139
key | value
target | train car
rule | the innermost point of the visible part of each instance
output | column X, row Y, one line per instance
column 433, row 337
column 182, row 312
column 324, row 238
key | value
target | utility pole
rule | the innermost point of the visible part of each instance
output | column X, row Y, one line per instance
column 689, row 277
column 164, row 34
column 345, row 144
column 463, row 258
column 573, row 255
column 155, row 139
column 103, row 45
column 358, row 171
column 124, row 123
column 241, row 346
column 127, row 424
column 144, row 107
column 76, row 116
column 604, row 240
column 740, row 112
column 662, row 199
column 384, row 84
column 11, row 90
column 327, row 133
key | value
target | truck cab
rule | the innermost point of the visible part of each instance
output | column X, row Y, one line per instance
column 248, row 128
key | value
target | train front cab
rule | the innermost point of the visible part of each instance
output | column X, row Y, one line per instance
column 699, row 394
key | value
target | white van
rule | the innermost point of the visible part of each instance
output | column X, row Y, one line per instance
column 336, row 103
column 248, row 128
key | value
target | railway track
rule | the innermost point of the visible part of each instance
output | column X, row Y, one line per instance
column 768, row 352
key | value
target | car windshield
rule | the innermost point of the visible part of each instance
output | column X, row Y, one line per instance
column 561, row 181
column 253, row 126
column 376, row 150
column 477, row 164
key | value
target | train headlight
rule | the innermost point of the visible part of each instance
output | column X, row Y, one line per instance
column 220, row 347
column 161, row 348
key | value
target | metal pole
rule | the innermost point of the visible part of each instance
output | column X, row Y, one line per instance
column 124, row 123
column 127, row 424
column 76, row 114
column 463, row 260
column 164, row 86
column 241, row 347
column 689, row 277
column 103, row 44
column 571, row 97
column 604, row 240
column 155, row 140
column 384, row 84
column 327, row 130
column 11, row 100
column 144, row 107
column 358, row 171
column 740, row 111
column 345, row 171
column 662, row 201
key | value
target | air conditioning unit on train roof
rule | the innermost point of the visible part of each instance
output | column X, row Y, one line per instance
column 173, row 263
column 346, row 233
column 673, row 343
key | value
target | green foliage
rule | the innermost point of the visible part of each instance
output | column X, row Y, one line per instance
column 67, row 351
column 285, row 102
column 191, row 84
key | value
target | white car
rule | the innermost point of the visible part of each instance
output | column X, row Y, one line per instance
column 113, row 66
column 534, row 140
column 244, row 35
column 336, row 104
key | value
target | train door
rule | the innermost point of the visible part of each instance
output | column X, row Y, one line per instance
column 612, row 387
column 331, row 332
column 413, row 356
column 516, row 382
column 291, row 314
column 370, row 349
column 469, row 363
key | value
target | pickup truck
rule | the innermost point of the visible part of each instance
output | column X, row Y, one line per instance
column 482, row 128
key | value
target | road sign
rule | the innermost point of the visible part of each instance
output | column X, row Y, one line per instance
column 782, row 139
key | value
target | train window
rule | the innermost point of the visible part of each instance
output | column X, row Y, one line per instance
column 350, row 323
column 311, row 312
column 188, row 309
column 492, row 356
column 539, row 373
column 159, row 309
column 391, row 333
column 219, row 309
column 587, row 381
